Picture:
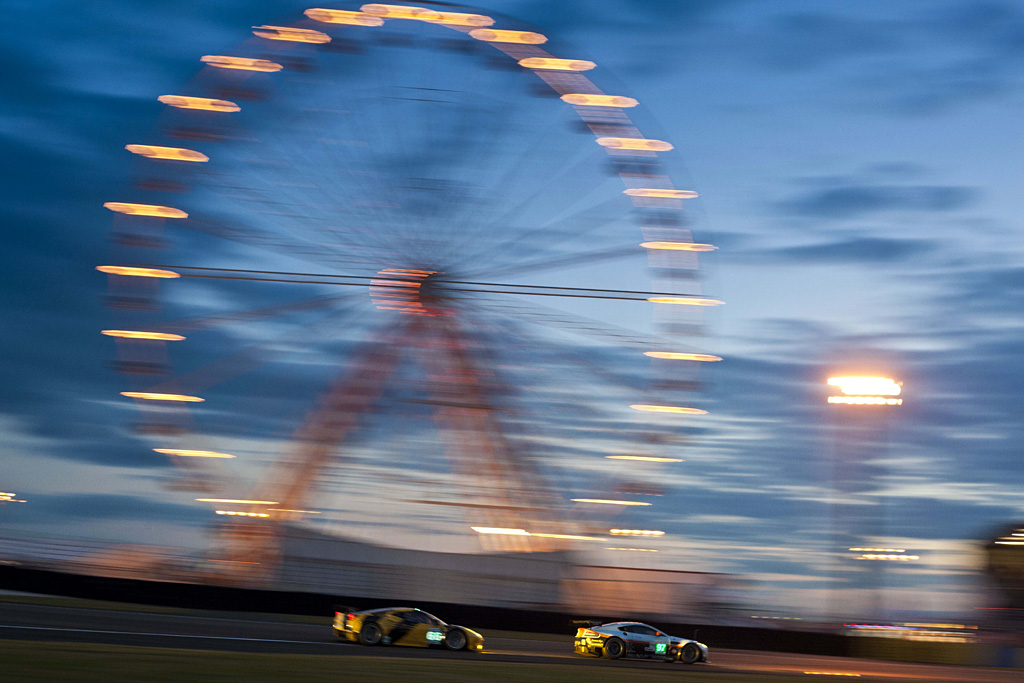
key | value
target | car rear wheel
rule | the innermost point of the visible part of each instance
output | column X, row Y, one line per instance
column 455, row 640
column 614, row 648
column 370, row 634
column 689, row 654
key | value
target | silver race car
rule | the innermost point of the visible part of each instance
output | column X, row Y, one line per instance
column 638, row 641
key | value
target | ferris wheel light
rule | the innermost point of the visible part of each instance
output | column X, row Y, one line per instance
column 138, row 272
column 201, row 103
column 866, row 400
column 603, row 501
column 460, row 19
column 550, row 64
column 669, row 409
column 672, row 355
column 678, row 246
column 399, row 12
column 643, row 458
column 862, row 386
column 568, row 537
column 243, row 63
column 169, row 153
column 684, row 301
column 497, row 36
column 135, row 334
column 237, row 501
column 660, row 193
column 154, row 210
column 639, row 144
column 584, row 100
column 151, row 396
column 500, row 530
column 192, row 454
column 338, row 16
column 291, row 35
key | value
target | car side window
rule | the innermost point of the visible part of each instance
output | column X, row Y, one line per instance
column 641, row 630
column 417, row 617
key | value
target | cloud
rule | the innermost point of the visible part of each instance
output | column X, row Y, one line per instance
column 857, row 201
column 860, row 250
column 807, row 41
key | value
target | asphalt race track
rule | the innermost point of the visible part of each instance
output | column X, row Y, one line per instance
column 257, row 633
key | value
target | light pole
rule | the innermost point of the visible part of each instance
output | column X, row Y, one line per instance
column 862, row 403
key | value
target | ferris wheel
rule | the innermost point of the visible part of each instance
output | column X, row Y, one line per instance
column 387, row 262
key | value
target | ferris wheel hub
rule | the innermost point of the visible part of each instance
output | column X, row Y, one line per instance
column 408, row 291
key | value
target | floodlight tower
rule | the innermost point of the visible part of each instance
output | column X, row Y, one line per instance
column 863, row 404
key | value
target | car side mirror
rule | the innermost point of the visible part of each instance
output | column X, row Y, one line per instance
column 660, row 634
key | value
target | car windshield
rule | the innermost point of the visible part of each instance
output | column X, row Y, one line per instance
column 434, row 620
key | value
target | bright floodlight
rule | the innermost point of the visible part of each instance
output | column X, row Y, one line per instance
column 866, row 386
column 866, row 391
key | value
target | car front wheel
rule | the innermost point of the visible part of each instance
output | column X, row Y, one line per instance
column 614, row 648
column 455, row 640
column 370, row 634
column 689, row 654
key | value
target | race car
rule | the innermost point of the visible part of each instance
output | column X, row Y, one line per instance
column 404, row 626
column 638, row 641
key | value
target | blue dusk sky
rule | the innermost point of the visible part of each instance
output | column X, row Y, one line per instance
column 858, row 170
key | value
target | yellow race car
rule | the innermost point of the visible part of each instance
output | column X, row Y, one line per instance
column 404, row 626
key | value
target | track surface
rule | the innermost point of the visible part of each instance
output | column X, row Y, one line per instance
column 244, row 633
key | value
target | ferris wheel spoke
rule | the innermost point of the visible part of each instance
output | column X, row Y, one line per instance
column 572, row 259
column 249, row 358
column 229, row 318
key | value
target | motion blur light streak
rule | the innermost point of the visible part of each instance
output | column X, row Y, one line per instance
column 678, row 246
column 241, row 63
column 673, row 355
column 153, row 396
column 496, row 36
column 603, row 501
column 192, row 454
column 877, row 550
column 400, row 12
column 168, row 153
column 145, row 210
column 635, row 532
column 866, row 386
column 460, row 19
column 199, row 103
column 568, row 537
column 635, row 550
column 638, row 144
column 131, row 271
column 237, row 501
column 643, row 458
column 500, row 530
column 557, row 64
column 134, row 334
column 685, row 301
column 600, row 101
column 234, row 513
column 901, row 558
column 337, row 16
column 866, row 400
column 291, row 35
column 668, row 409
column 660, row 193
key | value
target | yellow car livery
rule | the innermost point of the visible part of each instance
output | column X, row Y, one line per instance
column 404, row 626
